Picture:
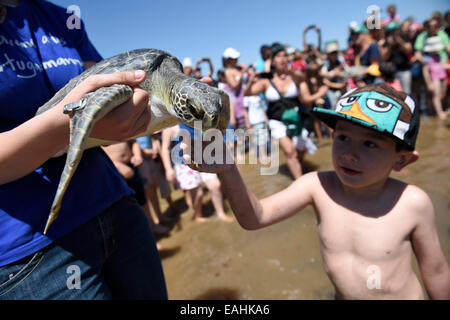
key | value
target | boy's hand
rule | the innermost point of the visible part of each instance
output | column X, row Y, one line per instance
column 225, row 161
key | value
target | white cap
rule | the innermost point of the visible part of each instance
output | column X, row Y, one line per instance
column 353, row 25
column 231, row 53
column 187, row 62
column 331, row 47
column 433, row 44
column 290, row 50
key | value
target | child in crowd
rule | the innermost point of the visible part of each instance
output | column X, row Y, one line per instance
column 256, row 120
column 127, row 157
column 388, row 71
column 190, row 181
column 369, row 224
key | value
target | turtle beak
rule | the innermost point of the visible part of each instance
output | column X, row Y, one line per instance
column 210, row 121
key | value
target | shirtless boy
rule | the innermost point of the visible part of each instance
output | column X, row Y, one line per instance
column 369, row 224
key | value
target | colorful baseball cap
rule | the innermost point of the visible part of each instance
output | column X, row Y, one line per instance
column 378, row 107
column 361, row 29
column 393, row 25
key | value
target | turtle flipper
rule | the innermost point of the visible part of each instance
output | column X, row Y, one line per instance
column 85, row 113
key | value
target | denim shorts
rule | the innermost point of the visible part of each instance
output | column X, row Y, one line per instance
column 112, row 256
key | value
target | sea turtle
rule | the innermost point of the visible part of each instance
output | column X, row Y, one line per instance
column 174, row 98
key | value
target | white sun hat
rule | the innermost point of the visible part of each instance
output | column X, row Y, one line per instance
column 231, row 53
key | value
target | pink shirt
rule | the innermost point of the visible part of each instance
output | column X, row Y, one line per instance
column 395, row 84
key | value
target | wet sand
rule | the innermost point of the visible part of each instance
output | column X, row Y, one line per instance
column 220, row 260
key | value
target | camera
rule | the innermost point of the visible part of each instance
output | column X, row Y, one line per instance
column 266, row 75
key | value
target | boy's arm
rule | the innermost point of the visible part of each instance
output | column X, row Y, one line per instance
column 432, row 264
column 252, row 213
column 249, row 211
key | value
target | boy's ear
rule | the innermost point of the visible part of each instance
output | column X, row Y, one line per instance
column 406, row 158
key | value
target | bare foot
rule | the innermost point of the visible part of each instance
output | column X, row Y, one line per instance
column 200, row 219
column 225, row 218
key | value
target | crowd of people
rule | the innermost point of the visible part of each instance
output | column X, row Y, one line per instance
column 409, row 56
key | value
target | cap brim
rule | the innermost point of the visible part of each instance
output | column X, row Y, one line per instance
column 330, row 117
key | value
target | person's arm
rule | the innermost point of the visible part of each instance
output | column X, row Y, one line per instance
column 307, row 98
column 136, row 151
column 247, row 122
column 156, row 148
column 405, row 46
column 334, row 85
column 231, row 76
column 254, row 214
column 305, row 31
column 29, row 145
column 250, row 212
column 426, row 77
column 255, row 86
column 432, row 263
column 124, row 169
column 165, row 153
column 211, row 68
column 386, row 51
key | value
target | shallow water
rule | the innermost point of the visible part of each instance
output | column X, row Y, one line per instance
column 219, row 260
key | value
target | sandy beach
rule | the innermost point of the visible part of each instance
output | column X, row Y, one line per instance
column 219, row 260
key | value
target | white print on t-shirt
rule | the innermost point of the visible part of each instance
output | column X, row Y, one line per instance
column 29, row 69
column 30, row 43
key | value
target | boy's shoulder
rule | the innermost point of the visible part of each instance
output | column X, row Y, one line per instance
column 412, row 199
column 318, row 180
column 415, row 197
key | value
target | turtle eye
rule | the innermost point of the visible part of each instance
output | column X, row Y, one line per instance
column 379, row 105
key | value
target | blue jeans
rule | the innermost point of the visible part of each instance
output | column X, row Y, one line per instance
column 113, row 256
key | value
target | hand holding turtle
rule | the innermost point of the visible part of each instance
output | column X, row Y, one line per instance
column 125, row 121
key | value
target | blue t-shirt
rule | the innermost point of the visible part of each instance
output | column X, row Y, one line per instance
column 38, row 56
column 145, row 142
column 371, row 53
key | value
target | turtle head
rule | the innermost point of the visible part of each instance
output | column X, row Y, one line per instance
column 193, row 100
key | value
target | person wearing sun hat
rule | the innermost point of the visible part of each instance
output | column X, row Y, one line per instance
column 369, row 224
column 234, row 87
column 333, row 65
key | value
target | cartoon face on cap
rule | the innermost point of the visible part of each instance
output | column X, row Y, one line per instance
column 384, row 112
column 380, row 108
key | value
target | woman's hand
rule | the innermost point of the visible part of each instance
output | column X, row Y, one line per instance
column 27, row 146
column 125, row 121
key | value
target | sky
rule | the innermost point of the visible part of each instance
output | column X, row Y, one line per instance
column 205, row 28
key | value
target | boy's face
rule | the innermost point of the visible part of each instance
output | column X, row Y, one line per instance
column 361, row 156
